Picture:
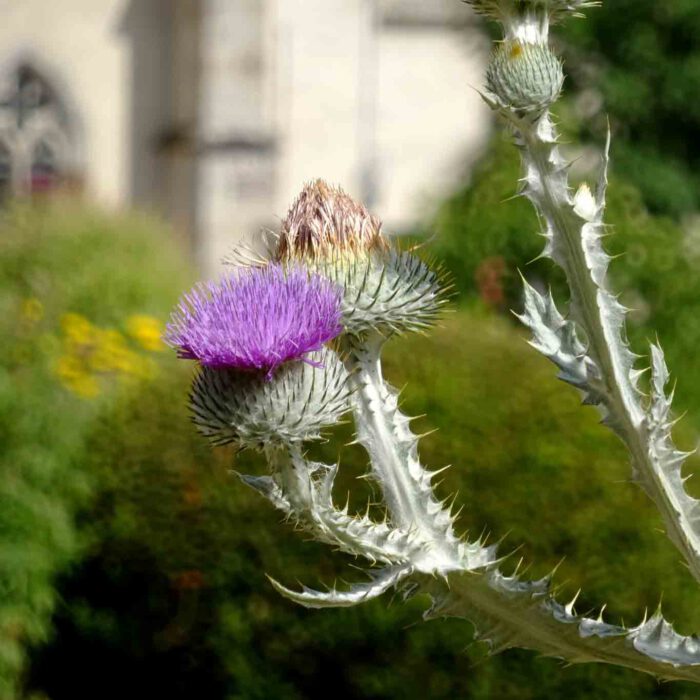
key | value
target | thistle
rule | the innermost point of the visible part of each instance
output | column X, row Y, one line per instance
column 251, row 410
column 324, row 222
column 331, row 267
column 256, row 319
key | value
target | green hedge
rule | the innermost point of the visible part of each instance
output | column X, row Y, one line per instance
column 172, row 599
column 69, row 281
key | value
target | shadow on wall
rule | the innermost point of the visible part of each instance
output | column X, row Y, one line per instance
column 163, row 39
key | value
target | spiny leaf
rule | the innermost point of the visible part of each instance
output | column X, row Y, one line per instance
column 359, row 593
column 508, row 611
column 574, row 231
column 304, row 492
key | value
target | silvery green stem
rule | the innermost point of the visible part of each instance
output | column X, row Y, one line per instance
column 393, row 449
column 574, row 229
column 303, row 490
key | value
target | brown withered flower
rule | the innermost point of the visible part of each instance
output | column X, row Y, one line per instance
column 325, row 221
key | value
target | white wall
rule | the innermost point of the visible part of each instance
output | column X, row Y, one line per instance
column 236, row 169
column 431, row 122
column 318, row 74
column 385, row 110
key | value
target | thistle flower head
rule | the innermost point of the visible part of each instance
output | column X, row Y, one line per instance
column 325, row 221
column 256, row 319
column 393, row 291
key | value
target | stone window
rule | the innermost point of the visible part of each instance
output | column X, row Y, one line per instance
column 37, row 150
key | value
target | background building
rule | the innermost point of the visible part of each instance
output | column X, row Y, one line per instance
column 215, row 112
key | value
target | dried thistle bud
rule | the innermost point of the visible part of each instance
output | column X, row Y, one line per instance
column 247, row 410
column 325, row 221
column 505, row 10
column 524, row 76
column 336, row 237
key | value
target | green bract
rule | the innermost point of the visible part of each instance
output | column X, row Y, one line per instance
column 250, row 411
column 392, row 291
column 526, row 77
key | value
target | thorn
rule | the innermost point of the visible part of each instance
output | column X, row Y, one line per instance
column 433, row 474
column 602, row 611
column 517, row 195
column 429, row 432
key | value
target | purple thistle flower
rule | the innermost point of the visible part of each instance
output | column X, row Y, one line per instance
column 256, row 319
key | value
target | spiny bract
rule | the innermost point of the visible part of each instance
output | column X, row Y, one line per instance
column 243, row 408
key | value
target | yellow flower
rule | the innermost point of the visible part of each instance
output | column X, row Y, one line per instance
column 90, row 351
column 32, row 310
column 147, row 331
column 85, row 386
column 77, row 329
column 109, row 352
column 69, row 367
column 74, row 376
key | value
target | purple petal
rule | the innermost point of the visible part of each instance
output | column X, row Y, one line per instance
column 256, row 319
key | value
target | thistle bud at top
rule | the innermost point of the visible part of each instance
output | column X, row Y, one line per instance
column 336, row 237
column 325, row 221
column 523, row 76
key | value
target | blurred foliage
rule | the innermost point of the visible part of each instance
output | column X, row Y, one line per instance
column 59, row 266
column 172, row 594
column 638, row 61
column 161, row 552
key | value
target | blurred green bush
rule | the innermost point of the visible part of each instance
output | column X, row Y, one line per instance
column 70, row 283
column 638, row 62
column 172, row 598
column 152, row 554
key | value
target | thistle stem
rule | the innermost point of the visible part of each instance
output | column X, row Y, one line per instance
column 384, row 432
column 602, row 319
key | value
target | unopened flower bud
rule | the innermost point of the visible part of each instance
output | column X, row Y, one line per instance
column 392, row 291
column 523, row 76
column 336, row 237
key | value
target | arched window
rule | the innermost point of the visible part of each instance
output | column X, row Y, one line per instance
column 36, row 134
column 28, row 95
